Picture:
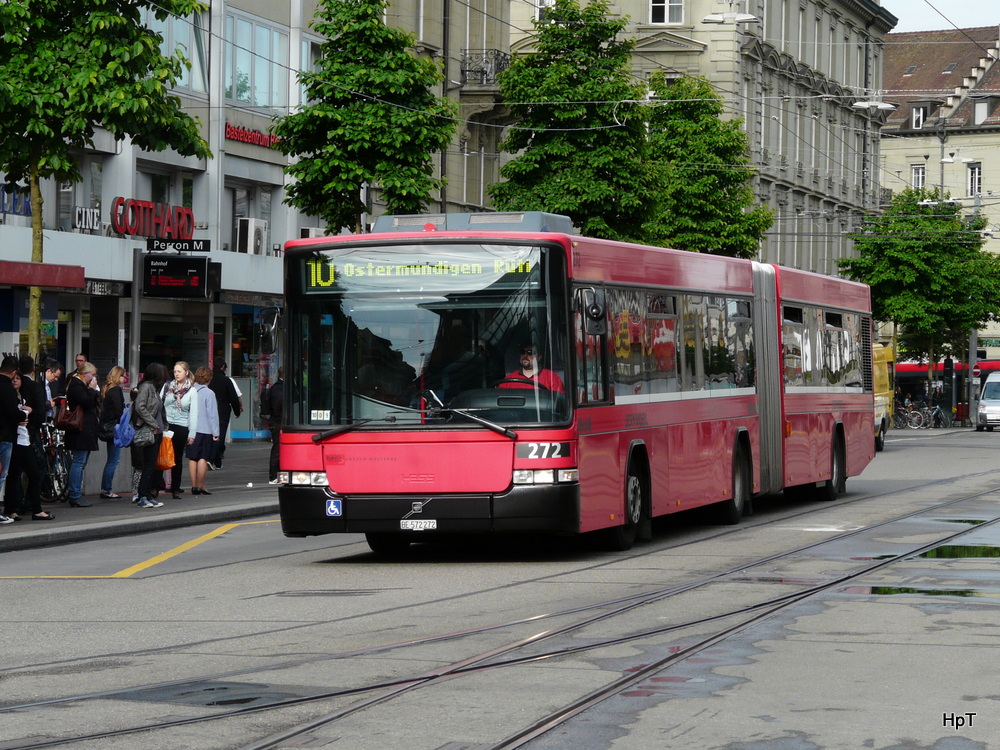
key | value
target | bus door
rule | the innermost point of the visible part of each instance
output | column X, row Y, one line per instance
column 598, row 446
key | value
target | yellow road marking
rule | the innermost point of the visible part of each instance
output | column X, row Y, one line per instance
column 138, row 568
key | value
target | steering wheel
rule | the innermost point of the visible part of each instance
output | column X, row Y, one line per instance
column 523, row 382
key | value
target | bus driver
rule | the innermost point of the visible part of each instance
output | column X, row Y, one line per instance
column 530, row 371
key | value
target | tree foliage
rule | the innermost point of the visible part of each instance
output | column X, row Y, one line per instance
column 69, row 66
column 704, row 176
column 73, row 65
column 580, row 130
column 371, row 118
column 928, row 272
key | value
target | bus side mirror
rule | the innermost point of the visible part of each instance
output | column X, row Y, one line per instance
column 594, row 312
column 269, row 320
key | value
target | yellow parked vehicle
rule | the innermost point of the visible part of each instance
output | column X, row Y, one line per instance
column 883, row 372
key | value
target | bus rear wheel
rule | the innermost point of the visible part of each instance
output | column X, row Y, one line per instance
column 732, row 510
column 835, row 484
column 387, row 544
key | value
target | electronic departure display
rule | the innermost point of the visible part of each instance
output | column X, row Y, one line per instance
column 174, row 276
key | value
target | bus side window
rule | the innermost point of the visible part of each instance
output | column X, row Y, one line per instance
column 590, row 363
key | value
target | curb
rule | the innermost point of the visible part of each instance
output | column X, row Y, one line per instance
column 46, row 537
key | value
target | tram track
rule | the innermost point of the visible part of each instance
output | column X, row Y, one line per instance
column 369, row 695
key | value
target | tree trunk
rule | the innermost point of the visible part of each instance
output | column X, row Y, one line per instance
column 35, row 293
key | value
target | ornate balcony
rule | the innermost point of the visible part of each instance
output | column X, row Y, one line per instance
column 480, row 67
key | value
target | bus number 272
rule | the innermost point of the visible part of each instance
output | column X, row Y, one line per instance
column 543, row 450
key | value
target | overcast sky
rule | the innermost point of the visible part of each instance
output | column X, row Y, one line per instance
column 919, row 15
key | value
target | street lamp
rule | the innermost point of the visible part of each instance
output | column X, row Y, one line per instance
column 733, row 16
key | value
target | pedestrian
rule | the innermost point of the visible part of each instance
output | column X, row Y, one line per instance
column 147, row 411
column 82, row 392
column 204, row 431
column 228, row 398
column 11, row 416
column 23, row 461
column 81, row 360
column 33, row 393
column 276, row 407
column 178, row 395
column 53, row 371
column 112, row 407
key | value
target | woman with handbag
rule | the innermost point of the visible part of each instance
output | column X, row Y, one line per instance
column 112, row 406
column 147, row 418
column 178, row 395
column 82, row 395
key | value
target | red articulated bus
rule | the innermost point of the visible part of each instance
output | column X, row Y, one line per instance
column 669, row 380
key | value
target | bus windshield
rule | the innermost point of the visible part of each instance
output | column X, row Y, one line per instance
column 426, row 336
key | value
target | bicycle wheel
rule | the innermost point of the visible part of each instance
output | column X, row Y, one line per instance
column 943, row 419
column 915, row 420
column 55, row 485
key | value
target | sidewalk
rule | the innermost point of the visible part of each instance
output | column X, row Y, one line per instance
column 231, row 498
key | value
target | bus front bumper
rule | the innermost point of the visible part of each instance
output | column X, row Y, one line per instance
column 309, row 511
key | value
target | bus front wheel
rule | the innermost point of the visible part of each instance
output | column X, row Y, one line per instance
column 621, row 538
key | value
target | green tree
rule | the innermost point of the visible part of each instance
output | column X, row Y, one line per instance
column 581, row 133
column 924, row 262
column 371, row 118
column 71, row 66
column 705, row 195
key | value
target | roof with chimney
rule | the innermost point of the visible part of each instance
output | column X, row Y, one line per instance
column 943, row 73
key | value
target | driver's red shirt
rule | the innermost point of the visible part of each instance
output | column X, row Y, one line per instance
column 545, row 378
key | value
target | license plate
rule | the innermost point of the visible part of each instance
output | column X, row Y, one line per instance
column 418, row 524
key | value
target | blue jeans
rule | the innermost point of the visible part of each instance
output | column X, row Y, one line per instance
column 110, row 467
column 6, row 449
column 76, row 468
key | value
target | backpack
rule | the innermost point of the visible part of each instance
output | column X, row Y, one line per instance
column 265, row 403
column 124, row 431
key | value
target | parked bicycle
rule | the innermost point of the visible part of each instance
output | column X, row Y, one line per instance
column 928, row 416
column 907, row 416
column 935, row 416
column 57, row 457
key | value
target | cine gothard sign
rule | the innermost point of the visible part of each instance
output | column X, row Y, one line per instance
column 147, row 219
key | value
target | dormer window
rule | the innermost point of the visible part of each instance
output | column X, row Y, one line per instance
column 917, row 117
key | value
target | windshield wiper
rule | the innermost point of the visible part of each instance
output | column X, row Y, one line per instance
column 341, row 428
column 499, row 429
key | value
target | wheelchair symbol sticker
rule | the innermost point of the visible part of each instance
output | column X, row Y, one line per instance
column 333, row 508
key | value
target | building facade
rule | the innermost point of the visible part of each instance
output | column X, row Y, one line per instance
column 792, row 71
column 244, row 55
column 945, row 132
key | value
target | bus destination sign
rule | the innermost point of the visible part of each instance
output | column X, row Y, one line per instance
column 174, row 276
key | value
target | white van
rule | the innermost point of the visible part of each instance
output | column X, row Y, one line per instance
column 988, row 416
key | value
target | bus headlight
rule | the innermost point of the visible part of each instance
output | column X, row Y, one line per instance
column 545, row 476
column 304, row 478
